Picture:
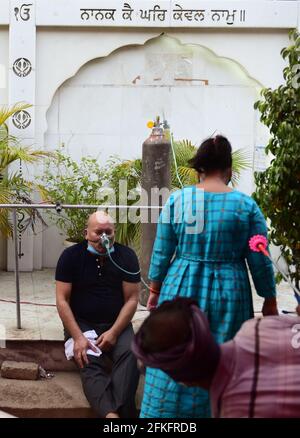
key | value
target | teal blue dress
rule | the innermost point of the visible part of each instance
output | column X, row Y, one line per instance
column 200, row 251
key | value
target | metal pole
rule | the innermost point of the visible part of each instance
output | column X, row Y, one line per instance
column 17, row 269
column 74, row 206
column 156, row 173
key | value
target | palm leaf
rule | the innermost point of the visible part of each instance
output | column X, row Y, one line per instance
column 14, row 188
column 241, row 160
column 26, row 154
column 5, row 194
column 184, row 151
column 5, row 225
column 187, row 175
column 3, row 132
column 5, row 198
column 129, row 234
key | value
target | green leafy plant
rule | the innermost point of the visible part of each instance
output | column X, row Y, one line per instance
column 69, row 182
column 14, row 188
column 128, row 233
column 278, row 188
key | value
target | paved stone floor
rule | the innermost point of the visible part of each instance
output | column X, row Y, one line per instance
column 42, row 322
column 38, row 322
column 59, row 397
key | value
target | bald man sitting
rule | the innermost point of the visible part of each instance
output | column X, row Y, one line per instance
column 92, row 293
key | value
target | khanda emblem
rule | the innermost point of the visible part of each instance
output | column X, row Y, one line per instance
column 21, row 119
column 22, row 67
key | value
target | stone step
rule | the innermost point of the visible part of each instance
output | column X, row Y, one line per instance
column 49, row 354
column 59, row 397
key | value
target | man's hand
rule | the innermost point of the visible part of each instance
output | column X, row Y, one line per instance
column 107, row 340
column 152, row 301
column 81, row 345
column 141, row 367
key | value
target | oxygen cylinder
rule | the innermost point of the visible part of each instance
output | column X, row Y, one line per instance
column 156, row 175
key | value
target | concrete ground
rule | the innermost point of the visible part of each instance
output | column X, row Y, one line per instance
column 38, row 322
column 61, row 396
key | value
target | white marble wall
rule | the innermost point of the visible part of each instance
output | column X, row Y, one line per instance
column 4, row 53
column 104, row 108
column 4, row 100
column 102, row 112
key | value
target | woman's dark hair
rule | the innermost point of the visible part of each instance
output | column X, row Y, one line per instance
column 167, row 326
column 213, row 154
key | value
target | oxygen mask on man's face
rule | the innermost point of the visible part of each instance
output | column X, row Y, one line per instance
column 104, row 241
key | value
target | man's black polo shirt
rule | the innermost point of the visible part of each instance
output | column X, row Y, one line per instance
column 97, row 294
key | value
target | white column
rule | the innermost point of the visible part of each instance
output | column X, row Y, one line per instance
column 22, row 47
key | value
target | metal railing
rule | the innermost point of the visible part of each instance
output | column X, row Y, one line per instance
column 58, row 207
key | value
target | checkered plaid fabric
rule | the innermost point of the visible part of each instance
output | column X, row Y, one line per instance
column 209, row 235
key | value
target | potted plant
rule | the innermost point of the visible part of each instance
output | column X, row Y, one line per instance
column 69, row 182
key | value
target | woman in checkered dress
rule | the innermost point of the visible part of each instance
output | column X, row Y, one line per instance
column 200, row 251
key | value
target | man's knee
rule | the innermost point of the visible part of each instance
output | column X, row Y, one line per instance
column 96, row 365
column 123, row 345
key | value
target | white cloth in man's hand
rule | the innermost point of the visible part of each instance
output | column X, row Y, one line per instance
column 91, row 335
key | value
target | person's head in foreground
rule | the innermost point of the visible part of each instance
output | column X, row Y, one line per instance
column 176, row 338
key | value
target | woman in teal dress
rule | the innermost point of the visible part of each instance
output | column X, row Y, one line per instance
column 200, row 251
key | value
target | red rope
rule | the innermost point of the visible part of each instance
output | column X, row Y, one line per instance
column 28, row 302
